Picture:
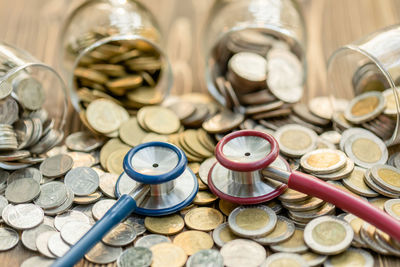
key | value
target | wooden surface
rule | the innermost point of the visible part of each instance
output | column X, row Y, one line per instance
column 34, row 25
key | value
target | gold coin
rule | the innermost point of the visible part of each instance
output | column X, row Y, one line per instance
column 203, row 219
column 125, row 83
column 165, row 225
column 393, row 208
column 227, row 207
column 226, row 234
column 366, row 150
column 168, row 255
column 202, row 186
column 145, row 96
column 92, row 198
column 91, row 75
column 252, row 219
column 191, row 139
column 187, row 147
column 141, row 115
column 356, row 183
column 313, row 259
column 194, row 166
column 109, row 69
column 365, row 106
column 295, row 244
column 323, row 161
column 151, row 137
column 193, row 241
column 204, row 198
column 296, row 140
column 206, row 140
column 305, row 205
column 131, row 133
column 162, row 120
column 116, row 159
column 291, row 195
column 108, row 148
column 352, row 257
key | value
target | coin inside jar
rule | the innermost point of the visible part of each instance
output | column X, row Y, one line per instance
column 252, row 221
column 322, row 161
column 328, row 235
column 296, row 140
column 365, row 107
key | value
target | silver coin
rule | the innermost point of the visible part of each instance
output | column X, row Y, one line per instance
column 328, row 235
column 4, row 214
column 252, row 221
column 295, row 140
column 121, row 235
column 28, row 237
column 25, row 216
column 24, row 130
column 87, row 210
column 107, row 183
column 357, row 115
column 32, row 173
column 206, row 258
column 241, row 252
column 73, row 231
column 366, row 150
column 56, row 245
column 70, row 216
column 83, row 141
column 347, row 258
column 331, row 136
column 22, row 190
column 101, row 207
column 82, row 180
column 126, row 184
column 137, row 222
column 392, row 207
column 9, row 238
column 3, row 179
column 5, row 89
column 3, row 204
column 30, row 93
column 103, row 254
column 14, row 155
column 223, row 234
column 8, row 111
column 148, row 241
column 205, row 168
column 42, row 243
column 64, row 206
column 56, row 166
column 12, row 166
column 47, row 220
column 37, row 261
column 283, row 231
column 52, row 195
column 289, row 259
column 135, row 257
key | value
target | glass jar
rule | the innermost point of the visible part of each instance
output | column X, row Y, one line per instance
column 33, row 104
column 268, row 39
column 369, row 64
column 114, row 49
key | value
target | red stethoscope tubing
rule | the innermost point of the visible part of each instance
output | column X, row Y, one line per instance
column 311, row 185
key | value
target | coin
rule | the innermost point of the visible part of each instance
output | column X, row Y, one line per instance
column 128, row 128
column 165, row 225
column 148, row 241
column 101, row 207
column 206, row 258
column 367, row 234
column 5, row 89
column 69, row 216
column 137, row 222
column 22, row 190
column 24, row 216
column 166, row 254
column 205, row 167
column 285, row 259
column 71, row 232
column 103, row 254
column 3, row 204
column 42, row 241
column 121, row 235
column 374, row 186
column 203, row 219
column 9, row 111
column 351, row 257
column 64, row 206
column 29, row 236
column 366, row 150
column 37, row 261
column 82, row 180
column 323, row 161
column 283, row 230
column 392, row 207
column 193, row 241
column 182, row 109
column 290, row 195
column 339, row 174
column 252, row 221
column 355, row 182
column 223, row 122
column 390, row 102
column 9, row 238
column 387, row 177
column 115, row 160
column 83, row 141
column 322, row 107
column 56, row 166
column 223, row 234
column 52, row 195
column 161, row 120
column 82, row 159
column 295, row 140
column 305, row 205
column 313, row 259
column 242, row 252
column 135, row 257
column 355, row 223
column 204, row 198
column 56, row 245
column 105, row 116
column 295, row 244
column 365, row 107
column 31, row 173
column 328, row 235
column 107, row 184
column 108, row 148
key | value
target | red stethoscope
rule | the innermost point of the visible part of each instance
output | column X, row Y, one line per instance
column 249, row 171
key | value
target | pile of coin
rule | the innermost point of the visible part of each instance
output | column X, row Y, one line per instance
column 26, row 129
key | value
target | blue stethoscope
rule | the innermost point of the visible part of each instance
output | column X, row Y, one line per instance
column 156, row 182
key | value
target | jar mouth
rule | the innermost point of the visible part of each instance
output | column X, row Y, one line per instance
column 395, row 138
column 30, row 68
column 165, row 80
column 272, row 30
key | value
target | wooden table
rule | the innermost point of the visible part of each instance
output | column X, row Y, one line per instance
column 34, row 25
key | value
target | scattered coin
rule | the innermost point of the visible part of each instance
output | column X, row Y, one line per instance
column 29, row 236
column 323, row 161
column 356, row 183
column 295, row 244
column 365, row 107
column 167, row 254
column 9, row 238
column 204, row 198
column 148, row 241
column 387, row 177
column 193, row 241
column 121, row 235
column 283, row 230
column 24, row 216
column 56, row 245
column 127, row 128
column 83, row 141
column 107, row 184
column 56, row 166
column 135, row 257
column 41, row 243
column 71, row 232
column 287, row 259
column 351, row 257
column 82, row 180
column 203, row 219
column 69, row 216
column 101, row 207
column 314, row 259
column 223, row 122
column 37, row 261
column 206, row 258
column 296, row 140
column 241, row 252
column 22, row 190
column 52, row 195
column 165, row 225
column 223, row 234
column 103, row 254
column 392, row 207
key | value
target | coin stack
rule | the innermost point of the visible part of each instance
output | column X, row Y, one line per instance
column 26, row 130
